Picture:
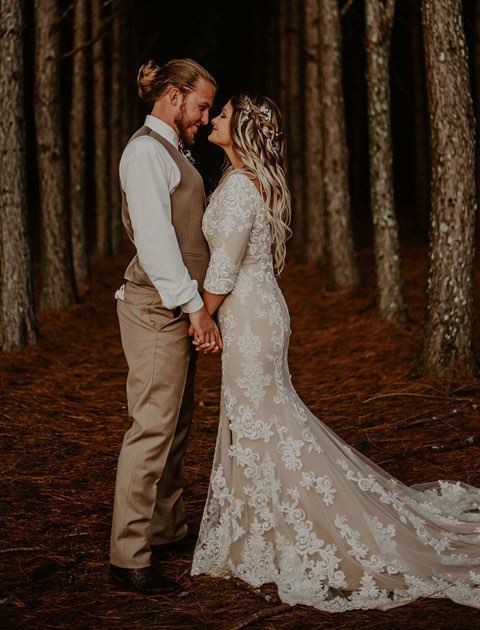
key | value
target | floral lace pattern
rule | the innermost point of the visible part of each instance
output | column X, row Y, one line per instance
column 289, row 501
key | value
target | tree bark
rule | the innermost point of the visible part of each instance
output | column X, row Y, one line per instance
column 17, row 315
column 78, row 131
column 101, row 161
column 258, row 44
column 58, row 283
column 357, row 108
column 283, row 69
column 116, row 140
column 378, row 26
column 273, row 72
column 295, row 119
column 342, row 266
column 476, row 81
column 128, row 94
column 420, row 119
column 448, row 344
column 314, row 201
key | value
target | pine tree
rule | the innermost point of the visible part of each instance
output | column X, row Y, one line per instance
column 58, row 282
column 314, row 201
column 17, row 316
column 448, row 343
column 342, row 266
column 378, row 25
column 78, row 132
column 101, row 160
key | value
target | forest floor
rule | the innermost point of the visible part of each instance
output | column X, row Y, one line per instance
column 63, row 416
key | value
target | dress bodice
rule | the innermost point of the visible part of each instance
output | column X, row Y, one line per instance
column 237, row 230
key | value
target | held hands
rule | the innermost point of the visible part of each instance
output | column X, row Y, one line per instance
column 205, row 332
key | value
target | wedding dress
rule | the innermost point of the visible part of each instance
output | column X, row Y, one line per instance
column 289, row 502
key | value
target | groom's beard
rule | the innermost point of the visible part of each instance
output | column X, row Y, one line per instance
column 185, row 133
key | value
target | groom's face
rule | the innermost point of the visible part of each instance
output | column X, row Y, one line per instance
column 194, row 110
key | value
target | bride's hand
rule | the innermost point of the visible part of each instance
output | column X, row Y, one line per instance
column 206, row 347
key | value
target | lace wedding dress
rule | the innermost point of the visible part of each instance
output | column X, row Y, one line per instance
column 289, row 501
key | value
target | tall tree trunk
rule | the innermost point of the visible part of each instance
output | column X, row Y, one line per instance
column 314, row 202
column 283, row 69
column 137, row 106
column 284, row 77
column 128, row 94
column 342, row 266
column 258, row 33
column 101, row 161
column 272, row 73
column 17, row 316
column 378, row 26
column 357, row 111
column 476, row 67
column 116, row 141
column 78, row 130
column 448, row 341
column 58, row 282
column 295, row 119
column 420, row 119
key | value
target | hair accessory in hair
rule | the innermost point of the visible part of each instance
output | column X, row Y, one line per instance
column 278, row 135
column 266, row 111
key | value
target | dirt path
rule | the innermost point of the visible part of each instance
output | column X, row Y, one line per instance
column 63, row 415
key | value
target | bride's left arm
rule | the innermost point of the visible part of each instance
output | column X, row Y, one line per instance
column 212, row 301
column 233, row 227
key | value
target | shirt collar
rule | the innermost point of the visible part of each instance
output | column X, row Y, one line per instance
column 163, row 129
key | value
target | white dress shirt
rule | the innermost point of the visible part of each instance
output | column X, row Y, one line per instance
column 148, row 176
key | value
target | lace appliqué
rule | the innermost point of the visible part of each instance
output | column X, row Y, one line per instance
column 288, row 501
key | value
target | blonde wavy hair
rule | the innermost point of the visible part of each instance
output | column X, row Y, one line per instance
column 257, row 140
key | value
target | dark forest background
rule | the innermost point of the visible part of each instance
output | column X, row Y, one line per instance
column 382, row 279
column 379, row 100
column 230, row 39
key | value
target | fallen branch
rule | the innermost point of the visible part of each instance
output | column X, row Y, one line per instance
column 12, row 549
column 435, row 397
column 261, row 614
column 416, row 423
column 256, row 591
column 471, row 441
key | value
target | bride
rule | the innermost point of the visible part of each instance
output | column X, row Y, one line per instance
column 289, row 502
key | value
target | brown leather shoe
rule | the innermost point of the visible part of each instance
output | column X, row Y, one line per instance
column 170, row 550
column 144, row 580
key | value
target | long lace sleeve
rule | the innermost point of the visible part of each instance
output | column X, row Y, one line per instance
column 236, row 214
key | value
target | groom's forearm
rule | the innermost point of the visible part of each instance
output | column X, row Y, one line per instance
column 212, row 301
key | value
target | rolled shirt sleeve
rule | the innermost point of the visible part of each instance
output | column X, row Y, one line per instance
column 148, row 179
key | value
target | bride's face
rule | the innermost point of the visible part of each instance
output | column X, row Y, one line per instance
column 220, row 134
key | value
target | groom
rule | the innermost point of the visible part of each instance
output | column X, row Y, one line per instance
column 163, row 204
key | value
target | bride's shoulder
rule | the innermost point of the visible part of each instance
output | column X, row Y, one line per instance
column 237, row 180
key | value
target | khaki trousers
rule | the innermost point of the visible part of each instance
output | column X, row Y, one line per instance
column 148, row 506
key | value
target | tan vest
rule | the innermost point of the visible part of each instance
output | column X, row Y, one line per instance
column 188, row 206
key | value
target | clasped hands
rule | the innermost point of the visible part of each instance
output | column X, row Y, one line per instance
column 205, row 332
